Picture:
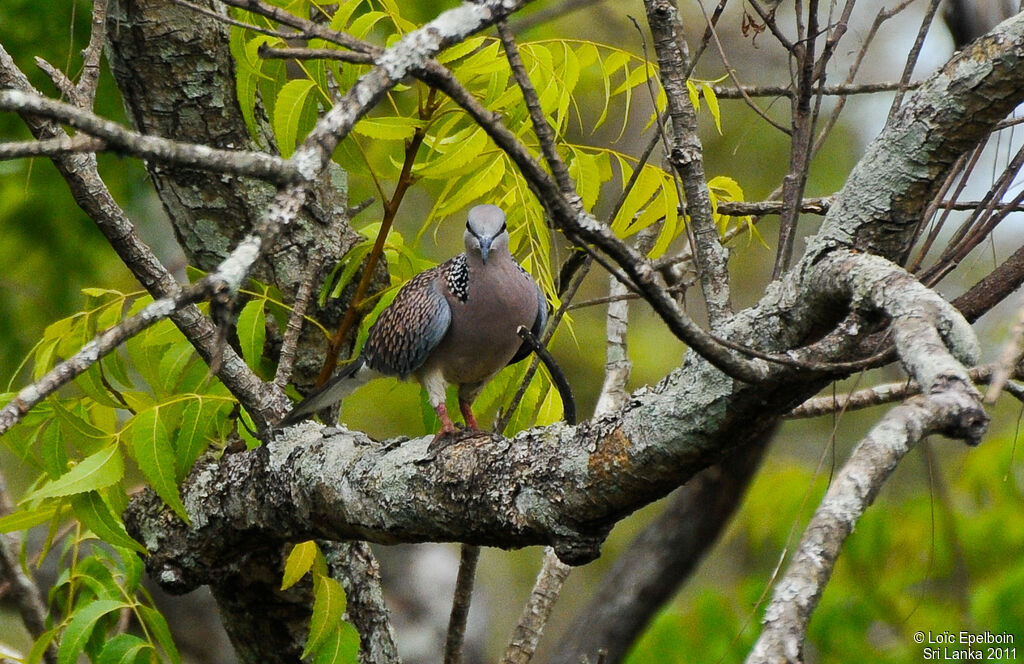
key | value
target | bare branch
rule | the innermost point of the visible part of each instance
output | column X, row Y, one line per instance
column 161, row 150
column 686, row 157
column 52, row 147
column 879, row 395
column 286, row 359
column 955, row 408
column 915, row 51
column 470, row 555
column 537, row 611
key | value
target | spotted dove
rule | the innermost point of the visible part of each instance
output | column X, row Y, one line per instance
column 454, row 324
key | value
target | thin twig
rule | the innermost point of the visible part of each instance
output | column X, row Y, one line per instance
column 739, row 88
column 391, row 207
column 541, row 127
column 470, row 555
column 52, row 147
column 90, row 75
column 915, row 51
column 847, row 87
column 802, row 129
column 883, row 394
column 290, row 341
column 1008, row 359
column 537, row 611
column 297, row 53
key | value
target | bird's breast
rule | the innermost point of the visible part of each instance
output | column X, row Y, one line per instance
column 482, row 336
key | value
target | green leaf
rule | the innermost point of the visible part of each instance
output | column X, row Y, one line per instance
column 93, row 574
column 712, row 99
column 91, row 383
column 249, row 71
column 364, row 23
column 457, row 152
column 341, row 646
column 584, row 171
column 173, row 364
column 287, row 113
column 197, row 421
column 44, row 358
column 53, row 453
column 97, row 516
column 93, row 472
column 328, row 605
column 691, row 89
column 72, row 642
column 157, row 626
column 123, row 649
column 40, row 646
column 461, row 49
column 387, row 128
column 339, row 21
column 80, row 432
column 28, row 518
column 477, row 185
column 300, row 560
column 154, row 454
column 252, row 331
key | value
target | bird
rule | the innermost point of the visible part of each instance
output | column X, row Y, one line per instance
column 453, row 324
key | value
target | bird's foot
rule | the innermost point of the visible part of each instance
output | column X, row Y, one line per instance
column 467, row 415
column 442, row 439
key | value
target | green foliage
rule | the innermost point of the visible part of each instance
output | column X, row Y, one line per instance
column 921, row 559
column 98, row 589
column 331, row 640
column 151, row 402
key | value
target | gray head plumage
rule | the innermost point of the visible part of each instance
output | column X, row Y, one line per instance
column 485, row 231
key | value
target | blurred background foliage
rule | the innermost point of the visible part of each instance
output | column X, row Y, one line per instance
column 942, row 549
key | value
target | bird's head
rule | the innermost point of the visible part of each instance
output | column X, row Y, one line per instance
column 485, row 231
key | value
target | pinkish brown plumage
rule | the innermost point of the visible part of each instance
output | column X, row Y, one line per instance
column 454, row 324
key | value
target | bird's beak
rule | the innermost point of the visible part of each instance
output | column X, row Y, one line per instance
column 485, row 248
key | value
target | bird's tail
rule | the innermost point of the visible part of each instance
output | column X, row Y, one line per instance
column 337, row 388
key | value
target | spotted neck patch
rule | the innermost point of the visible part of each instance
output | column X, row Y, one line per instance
column 457, row 277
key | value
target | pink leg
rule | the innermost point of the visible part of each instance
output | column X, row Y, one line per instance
column 467, row 415
column 446, row 422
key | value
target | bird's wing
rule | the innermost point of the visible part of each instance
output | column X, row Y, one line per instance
column 538, row 323
column 411, row 326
